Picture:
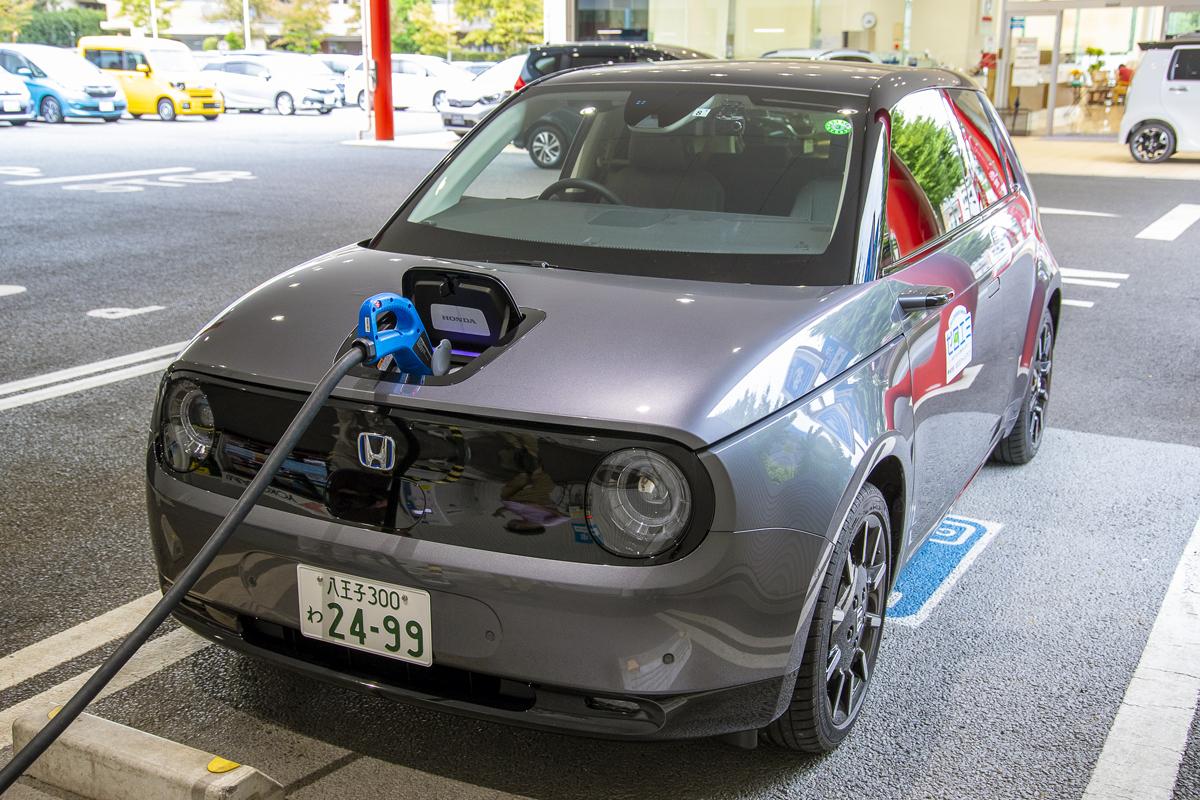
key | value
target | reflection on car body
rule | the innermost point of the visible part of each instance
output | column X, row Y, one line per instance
column 728, row 367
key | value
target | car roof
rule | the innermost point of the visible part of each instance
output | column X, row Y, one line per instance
column 685, row 52
column 1182, row 39
column 884, row 84
column 139, row 42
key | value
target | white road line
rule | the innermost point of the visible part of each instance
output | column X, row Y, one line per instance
column 153, row 657
column 73, row 642
column 1145, row 746
column 1066, row 301
column 89, row 369
column 1067, row 272
column 38, row 395
column 10, row 288
column 1074, row 212
column 1090, row 282
column 1171, row 225
column 99, row 176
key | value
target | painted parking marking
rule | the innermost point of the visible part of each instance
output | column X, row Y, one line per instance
column 936, row 567
column 20, row 172
column 1068, row 272
column 86, row 376
column 1091, row 282
column 1171, row 226
column 1074, row 212
column 120, row 312
column 1093, row 278
column 1066, row 301
column 173, row 181
column 1144, row 748
column 7, row 289
column 99, row 176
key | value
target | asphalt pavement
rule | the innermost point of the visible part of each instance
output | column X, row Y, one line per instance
column 1007, row 688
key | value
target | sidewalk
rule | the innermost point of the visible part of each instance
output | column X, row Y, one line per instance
column 1101, row 159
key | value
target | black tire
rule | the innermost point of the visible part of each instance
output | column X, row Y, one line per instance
column 324, row 111
column 50, row 110
column 849, row 618
column 112, row 119
column 362, row 100
column 166, row 109
column 547, row 146
column 135, row 116
column 1152, row 142
column 251, row 111
column 16, row 123
column 1025, row 439
column 211, row 117
column 438, row 97
column 285, row 104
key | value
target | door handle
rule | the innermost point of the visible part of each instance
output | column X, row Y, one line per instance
column 1177, row 88
column 919, row 298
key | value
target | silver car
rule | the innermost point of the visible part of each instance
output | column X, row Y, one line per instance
column 713, row 382
column 285, row 82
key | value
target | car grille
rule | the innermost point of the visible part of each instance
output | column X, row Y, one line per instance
column 212, row 105
column 100, row 91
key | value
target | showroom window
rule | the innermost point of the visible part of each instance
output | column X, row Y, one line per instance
column 1186, row 66
column 984, row 159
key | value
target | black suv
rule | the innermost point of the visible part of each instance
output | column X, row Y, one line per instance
column 547, row 138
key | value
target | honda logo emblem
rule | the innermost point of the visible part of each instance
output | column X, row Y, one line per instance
column 376, row 451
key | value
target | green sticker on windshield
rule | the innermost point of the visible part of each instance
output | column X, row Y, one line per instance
column 838, row 127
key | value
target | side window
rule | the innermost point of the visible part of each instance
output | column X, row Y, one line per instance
column 928, row 190
column 1186, row 65
column 8, row 61
column 984, row 159
column 255, row 70
column 545, row 65
column 133, row 59
column 105, row 59
column 217, row 66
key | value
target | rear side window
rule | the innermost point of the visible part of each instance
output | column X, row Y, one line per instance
column 543, row 65
column 984, row 160
column 928, row 190
column 1186, row 66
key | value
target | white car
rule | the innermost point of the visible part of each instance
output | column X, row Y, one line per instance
column 339, row 64
column 465, row 107
column 16, row 106
column 285, row 82
column 1162, row 109
column 417, row 82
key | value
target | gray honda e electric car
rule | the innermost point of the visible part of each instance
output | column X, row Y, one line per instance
column 713, row 382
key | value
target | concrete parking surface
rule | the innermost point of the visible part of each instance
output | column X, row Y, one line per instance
column 124, row 239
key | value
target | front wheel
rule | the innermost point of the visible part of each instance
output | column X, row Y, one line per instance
column 16, row 123
column 1022, row 444
column 166, row 110
column 546, row 147
column 284, row 104
column 1152, row 142
column 324, row 111
column 112, row 119
column 51, row 110
column 211, row 117
column 843, row 640
column 438, row 97
column 362, row 100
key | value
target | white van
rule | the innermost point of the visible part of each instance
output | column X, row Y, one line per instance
column 1162, row 110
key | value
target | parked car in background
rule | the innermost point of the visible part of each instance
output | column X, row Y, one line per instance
column 817, row 54
column 467, row 105
column 548, row 138
column 339, row 64
column 1162, row 109
column 418, row 81
column 16, row 107
column 158, row 76
column 63, row 85
column 474, row 67
column 286, row 83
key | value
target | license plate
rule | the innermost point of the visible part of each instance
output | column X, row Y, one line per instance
column 106, row 105
column 456, row 119
column 380, row 618
column 12, row 106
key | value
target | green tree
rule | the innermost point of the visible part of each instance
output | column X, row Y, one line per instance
column 403, row 27
column 14, row 15
column 507, row 25
column 62, row 28
column 234, row 40
column 231, row 11
column 303, row 24
column 931, row 155
column 432, row 37
column 138, row 12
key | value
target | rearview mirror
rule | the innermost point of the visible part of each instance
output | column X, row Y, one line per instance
column 143, row 68
column 25, row 72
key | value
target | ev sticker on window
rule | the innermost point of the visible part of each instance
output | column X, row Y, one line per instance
column 958, row 342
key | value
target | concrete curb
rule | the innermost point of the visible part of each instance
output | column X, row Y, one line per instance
column 102, row 760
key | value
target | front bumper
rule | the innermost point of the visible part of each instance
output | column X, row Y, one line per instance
column 315, row 101
column 462, row 120
column 16, row 110
column 92, row 108
column 699, row 646
column 195, row 105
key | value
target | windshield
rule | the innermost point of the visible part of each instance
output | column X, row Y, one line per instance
column 172, row 60
column 671, row 180
column 65, row 66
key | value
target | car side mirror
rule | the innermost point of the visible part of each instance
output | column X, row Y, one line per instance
column 25, row 72
column 267, row 76
column 143, row 68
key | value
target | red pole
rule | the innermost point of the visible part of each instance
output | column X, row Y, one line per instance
column 381, row 54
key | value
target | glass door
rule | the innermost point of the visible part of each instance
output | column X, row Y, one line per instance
column 1026, row 88
column 1181, row 19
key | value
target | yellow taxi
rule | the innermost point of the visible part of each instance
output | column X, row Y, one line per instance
column 159, row 76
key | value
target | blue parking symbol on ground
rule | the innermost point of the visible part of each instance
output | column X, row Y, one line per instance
column 940, row 562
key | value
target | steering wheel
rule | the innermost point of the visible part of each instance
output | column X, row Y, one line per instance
column 580, row 183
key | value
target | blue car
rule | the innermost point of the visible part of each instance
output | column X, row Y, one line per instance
column 62, row 83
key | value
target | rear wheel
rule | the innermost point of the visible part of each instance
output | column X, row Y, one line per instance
column 284, row 104
column 324, row 110
column 166, row 110
column 546, row 146
column 1022, row 444
column 51, row 110
column 362, row 100
column 1152, row 142
column 112, row 119
column 843, row 640
column 135, row 116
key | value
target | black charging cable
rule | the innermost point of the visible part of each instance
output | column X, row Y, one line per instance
column 23, row 758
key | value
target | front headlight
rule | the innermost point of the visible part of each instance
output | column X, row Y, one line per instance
column 490, row 99
column 180, row 85
column 187, row 429
column 638, row 503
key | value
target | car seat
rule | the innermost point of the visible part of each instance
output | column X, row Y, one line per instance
column 664, row 171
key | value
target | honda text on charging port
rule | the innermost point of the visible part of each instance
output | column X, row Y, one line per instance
column 676, row 414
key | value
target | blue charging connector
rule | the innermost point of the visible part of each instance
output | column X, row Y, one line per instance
column 405, row 340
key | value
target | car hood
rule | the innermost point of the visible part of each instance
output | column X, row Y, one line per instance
column 693, row 361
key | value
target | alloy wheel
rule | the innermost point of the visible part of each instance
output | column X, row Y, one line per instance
column 438, row 97
column 1151, row 143
column 856, row 626
column 51, row 110
column 285, row 105
column 1043, row 365
column 166, row 110
column 546, row 147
